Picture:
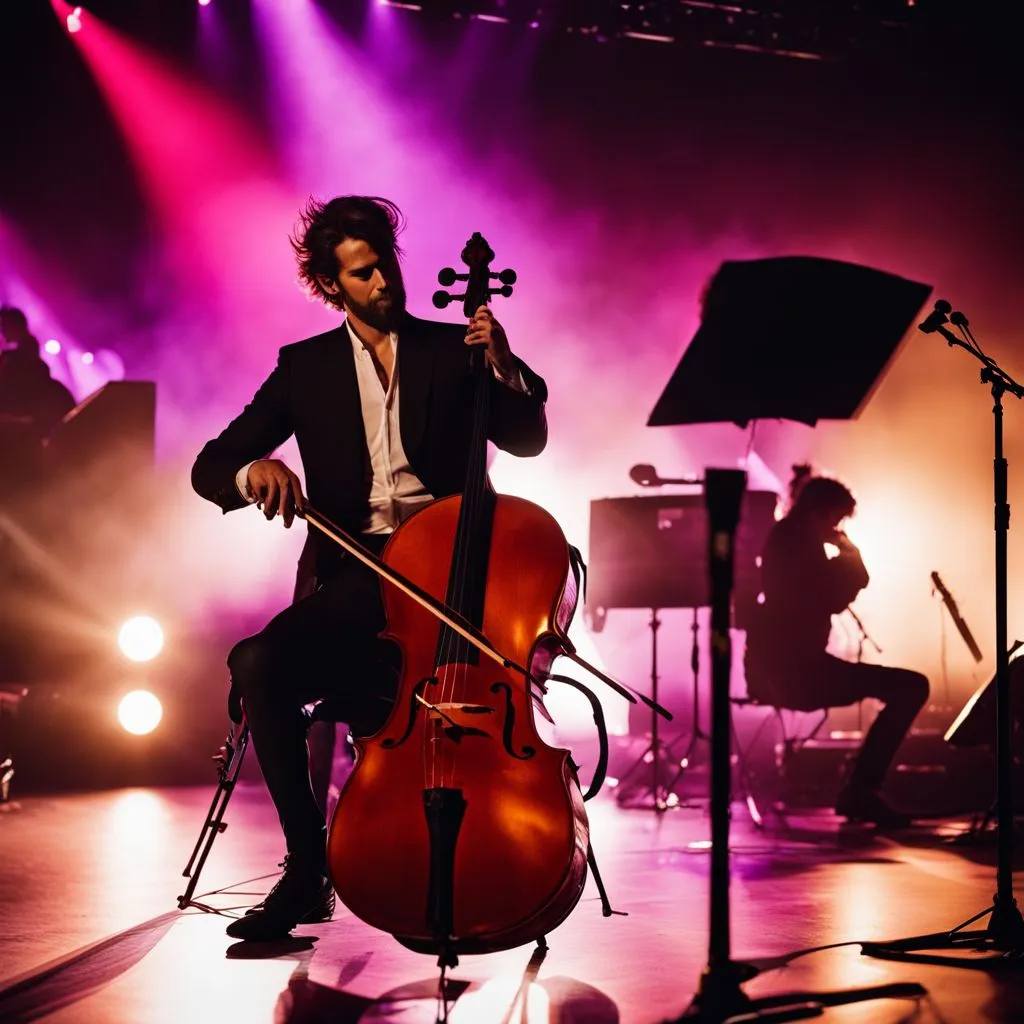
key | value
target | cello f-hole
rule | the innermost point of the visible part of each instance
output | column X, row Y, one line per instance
column 414, row 707
column 510, row 722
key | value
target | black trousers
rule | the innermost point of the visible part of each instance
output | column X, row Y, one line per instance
column 325, row 645
column 816, row 682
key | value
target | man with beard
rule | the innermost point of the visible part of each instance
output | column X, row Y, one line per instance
column 381, row 409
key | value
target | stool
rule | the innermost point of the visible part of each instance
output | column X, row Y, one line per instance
column 326, row 713
column 793, row 738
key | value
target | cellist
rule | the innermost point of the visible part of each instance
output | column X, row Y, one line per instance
column 380, row 408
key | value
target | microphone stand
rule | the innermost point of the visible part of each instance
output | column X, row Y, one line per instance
column 647, row 476
column 1005, row 931
column 720, row 998
column 958, row 619
column 865, row 637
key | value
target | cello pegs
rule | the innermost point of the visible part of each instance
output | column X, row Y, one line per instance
column 505, row 291
column 441, row 298
column 506, row 277
column 448, row 277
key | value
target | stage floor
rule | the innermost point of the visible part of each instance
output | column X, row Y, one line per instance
column 91, row 932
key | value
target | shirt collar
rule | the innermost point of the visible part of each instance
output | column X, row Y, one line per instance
column 357, row 343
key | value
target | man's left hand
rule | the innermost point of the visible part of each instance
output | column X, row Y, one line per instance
column 483, row 329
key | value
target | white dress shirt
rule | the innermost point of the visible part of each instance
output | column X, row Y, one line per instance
column 396, row 492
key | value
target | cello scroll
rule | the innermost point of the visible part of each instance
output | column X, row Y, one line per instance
column 478, row 256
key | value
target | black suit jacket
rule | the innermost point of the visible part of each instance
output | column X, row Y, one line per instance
column 313, row 393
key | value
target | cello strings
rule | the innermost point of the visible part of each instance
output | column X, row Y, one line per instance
column 482, row 507
column 450, row 649
column 445, row 654
column 474, row 497
column 454, row 653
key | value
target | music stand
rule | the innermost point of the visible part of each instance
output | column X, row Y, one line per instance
column 773, row 344
column 776, row 342
column 651, row 553
column 636, row 547
column 633, row 543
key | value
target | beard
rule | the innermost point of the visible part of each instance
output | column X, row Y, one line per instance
column 381, row 314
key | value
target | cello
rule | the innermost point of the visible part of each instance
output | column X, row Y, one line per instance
column 459, row 830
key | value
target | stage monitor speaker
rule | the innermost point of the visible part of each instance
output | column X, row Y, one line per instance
column 651, row 552
column 976, row 724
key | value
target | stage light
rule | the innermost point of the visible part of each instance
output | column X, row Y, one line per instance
column 204, row 3
column 139, row 712
column 801, row 31
column 141, row 638
column 52, row 347
column 87, row 358
column 650, row 37
column 75, row 20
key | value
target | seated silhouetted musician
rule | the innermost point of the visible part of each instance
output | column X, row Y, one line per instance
column 32, row 403
column 786, row 661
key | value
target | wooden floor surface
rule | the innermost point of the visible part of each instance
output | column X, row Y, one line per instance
column 91, row 934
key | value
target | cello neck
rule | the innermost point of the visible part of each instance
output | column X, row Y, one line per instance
column 467, row 580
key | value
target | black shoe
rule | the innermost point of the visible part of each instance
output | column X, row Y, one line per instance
column 858, row 803
column 303, row 895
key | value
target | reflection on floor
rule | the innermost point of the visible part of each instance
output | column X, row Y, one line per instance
column 90, row 933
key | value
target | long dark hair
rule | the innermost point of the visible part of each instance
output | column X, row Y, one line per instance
column 323, row 225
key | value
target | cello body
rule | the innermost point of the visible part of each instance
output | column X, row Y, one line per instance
column 459, row 829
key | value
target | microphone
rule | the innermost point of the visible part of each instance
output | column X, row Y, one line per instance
column 645, row 476
column 934, row 320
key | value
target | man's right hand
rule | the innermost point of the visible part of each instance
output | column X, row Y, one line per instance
column 277, row 489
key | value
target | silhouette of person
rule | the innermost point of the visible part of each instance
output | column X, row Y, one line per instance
column 32, row 403
column 786, row 662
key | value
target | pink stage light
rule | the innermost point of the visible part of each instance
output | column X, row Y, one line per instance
column 192, row 150
column 204, row 3
column 74, row 20
column 87, row 358
column 52, row 347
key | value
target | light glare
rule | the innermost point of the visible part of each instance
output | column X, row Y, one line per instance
column 53, row 345
column 139, row 712
column 141, row 638
column 75, row 20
